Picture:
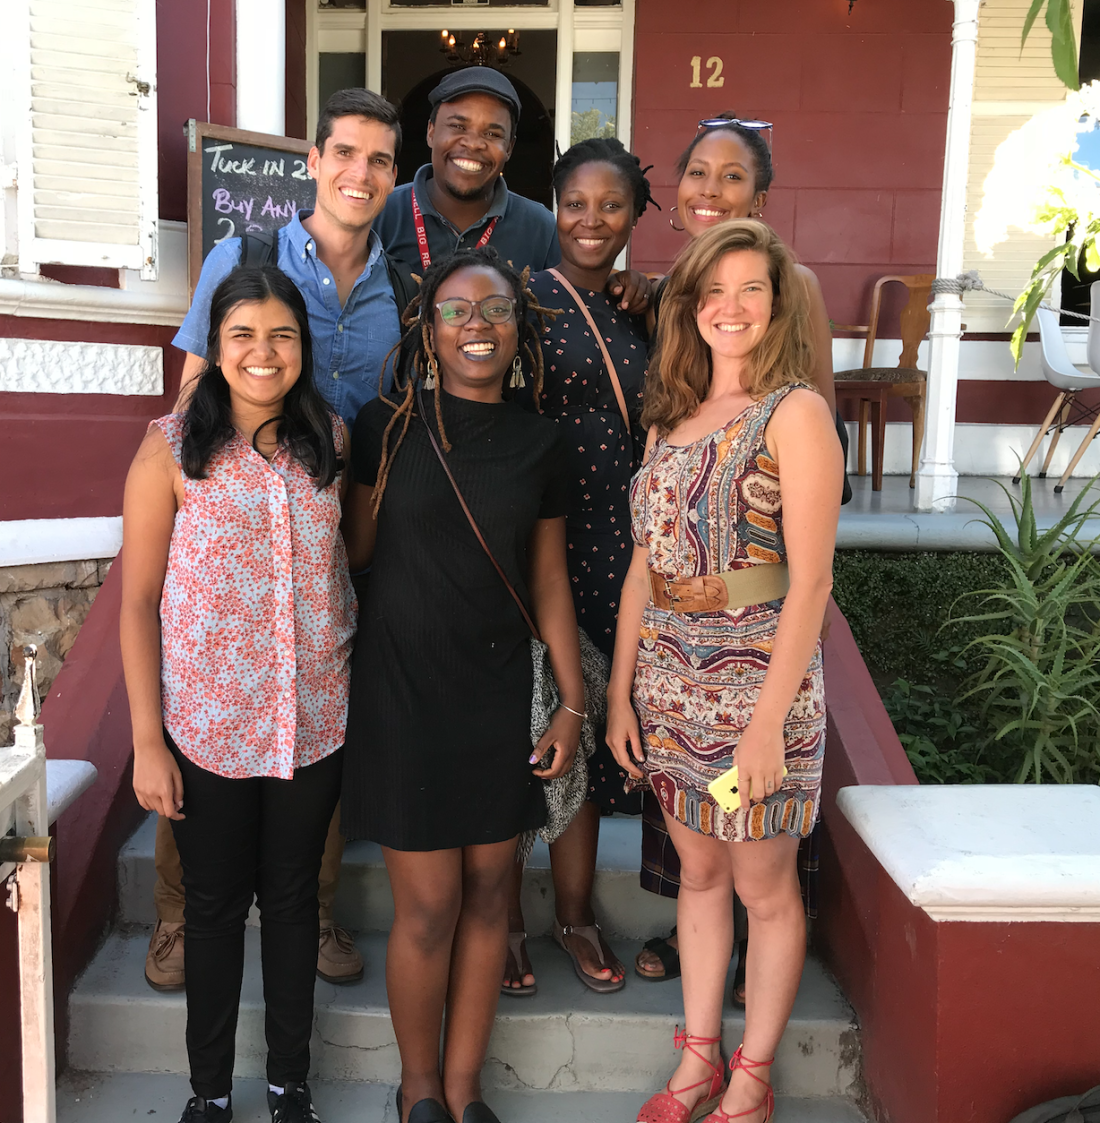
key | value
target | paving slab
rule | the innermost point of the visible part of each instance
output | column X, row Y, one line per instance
column 103, row 1098
column 566, row 1038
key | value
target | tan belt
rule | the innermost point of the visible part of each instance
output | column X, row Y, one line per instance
column 738, row 588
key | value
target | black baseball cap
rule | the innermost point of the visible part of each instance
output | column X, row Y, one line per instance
column 476, row 80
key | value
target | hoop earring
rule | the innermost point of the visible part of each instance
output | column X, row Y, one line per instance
column 517, row 379
column 678, row 229
column 433, row 371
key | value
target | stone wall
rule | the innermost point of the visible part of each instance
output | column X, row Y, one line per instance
column 45, row 605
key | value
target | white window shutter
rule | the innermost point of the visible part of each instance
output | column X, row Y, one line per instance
column 87, row 161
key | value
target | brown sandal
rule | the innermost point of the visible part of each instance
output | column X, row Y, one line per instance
column 516, row 941
column 591, row 933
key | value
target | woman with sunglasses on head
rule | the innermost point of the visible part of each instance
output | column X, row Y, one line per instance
column 718, row 657
column 725, row 173
column 236, row 624
column 440, row 769
column 593, row 377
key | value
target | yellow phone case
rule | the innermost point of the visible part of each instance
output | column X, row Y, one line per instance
column 726, row 790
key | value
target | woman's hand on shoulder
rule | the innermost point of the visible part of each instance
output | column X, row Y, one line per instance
column 158, row 784
column 563, row 735
column 631, row 290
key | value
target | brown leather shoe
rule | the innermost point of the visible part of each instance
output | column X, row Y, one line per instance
column 338, row 959
column 164, row 963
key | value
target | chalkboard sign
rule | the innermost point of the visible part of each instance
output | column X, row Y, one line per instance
column 240, row 183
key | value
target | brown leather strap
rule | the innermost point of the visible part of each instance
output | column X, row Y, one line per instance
column 611, row 372
column 714, row 592
column 473, row 523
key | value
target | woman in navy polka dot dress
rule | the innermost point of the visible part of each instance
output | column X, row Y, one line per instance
column 601, row 192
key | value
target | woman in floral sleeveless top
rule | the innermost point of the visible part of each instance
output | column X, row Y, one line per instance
column 236, row 624
column 717, row 656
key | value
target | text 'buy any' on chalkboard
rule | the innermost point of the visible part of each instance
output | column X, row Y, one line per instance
column 238, row 183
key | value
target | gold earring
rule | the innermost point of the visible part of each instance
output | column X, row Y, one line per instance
column 433, row 370
column 678, row 229
column 517, row 373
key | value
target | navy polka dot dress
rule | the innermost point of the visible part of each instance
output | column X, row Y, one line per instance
column 578, row 394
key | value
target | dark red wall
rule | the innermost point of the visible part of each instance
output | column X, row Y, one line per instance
column 859, row 104
column 80, row 445
column 296, row 68
column 183, row 30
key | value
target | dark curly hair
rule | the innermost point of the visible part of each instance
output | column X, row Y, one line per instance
column 754, row 142
column 417, row 358
column 605, row 150
column 305, row 425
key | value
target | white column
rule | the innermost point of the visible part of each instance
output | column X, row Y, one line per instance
column 261, row 66
column 936, row 477
column 563, row 101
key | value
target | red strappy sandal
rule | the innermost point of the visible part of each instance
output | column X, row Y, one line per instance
column 743, row 1062
column 665, row 1108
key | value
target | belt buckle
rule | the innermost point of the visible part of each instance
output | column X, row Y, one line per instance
column 670, row 595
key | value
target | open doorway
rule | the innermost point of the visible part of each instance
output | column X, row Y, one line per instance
column 412, row 65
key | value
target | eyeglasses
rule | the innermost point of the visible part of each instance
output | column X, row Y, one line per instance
column 494, row 310
column 757, row 126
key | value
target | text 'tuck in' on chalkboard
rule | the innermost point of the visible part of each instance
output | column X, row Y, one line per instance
column 240, row 182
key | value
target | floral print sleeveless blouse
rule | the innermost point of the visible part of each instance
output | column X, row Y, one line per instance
column 702, row 508
column 257, row 614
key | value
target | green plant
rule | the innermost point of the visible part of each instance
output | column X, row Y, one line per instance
column 1063, row 44
column 588, row 123
column 899, row 606
column 1037, row 685
column 938, row 736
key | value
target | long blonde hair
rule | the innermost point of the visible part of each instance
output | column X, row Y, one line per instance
column 680, row 367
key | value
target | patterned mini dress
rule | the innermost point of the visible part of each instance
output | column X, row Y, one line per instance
column 704, row 508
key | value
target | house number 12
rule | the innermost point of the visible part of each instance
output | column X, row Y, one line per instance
column 714, row 65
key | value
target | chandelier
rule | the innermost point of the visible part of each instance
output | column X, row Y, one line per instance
column 481, row 50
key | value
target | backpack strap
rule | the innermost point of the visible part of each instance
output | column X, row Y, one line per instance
column 260, row 249
column 402, row 283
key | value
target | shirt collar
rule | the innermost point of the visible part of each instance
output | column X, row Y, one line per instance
column 498, row 205
column 301, row 241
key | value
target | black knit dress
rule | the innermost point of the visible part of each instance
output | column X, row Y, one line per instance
column 439, row 723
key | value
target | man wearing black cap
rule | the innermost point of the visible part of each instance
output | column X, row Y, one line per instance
column 460, row 199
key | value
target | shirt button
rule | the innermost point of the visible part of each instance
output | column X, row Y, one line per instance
column 326, row 280
column 339, row 327
column 309, row 246
column 335, row 374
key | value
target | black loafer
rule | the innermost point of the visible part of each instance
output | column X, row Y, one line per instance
column 199, row 1110
column 425, row 1111
column 478, row 1112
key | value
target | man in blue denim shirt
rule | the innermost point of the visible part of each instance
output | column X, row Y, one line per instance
column 332, row 254
column 336, row 259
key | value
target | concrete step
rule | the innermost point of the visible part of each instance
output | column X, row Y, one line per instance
column 99, row 1098
column 564, row 1039
column 364, row 902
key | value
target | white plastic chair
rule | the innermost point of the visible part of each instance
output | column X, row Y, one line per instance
column 1070, row 381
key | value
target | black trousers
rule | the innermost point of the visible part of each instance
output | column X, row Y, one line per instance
column 264, row 837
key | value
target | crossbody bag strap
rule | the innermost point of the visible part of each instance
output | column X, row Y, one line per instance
column 612, row 374
column 473, row 522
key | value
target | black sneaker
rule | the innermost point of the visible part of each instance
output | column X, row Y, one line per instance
column 293, row 1106
column 199, row 1110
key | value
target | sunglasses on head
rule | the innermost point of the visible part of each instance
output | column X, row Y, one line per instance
column 494, row 310
column 764, row 127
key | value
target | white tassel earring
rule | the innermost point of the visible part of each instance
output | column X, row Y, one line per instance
column 429, row 382
column 517, row 373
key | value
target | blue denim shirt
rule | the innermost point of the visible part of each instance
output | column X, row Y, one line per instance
column 349, row 344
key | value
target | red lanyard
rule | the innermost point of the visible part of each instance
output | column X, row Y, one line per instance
column 422, row 234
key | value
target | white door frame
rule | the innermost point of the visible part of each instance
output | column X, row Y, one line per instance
column 579, row 29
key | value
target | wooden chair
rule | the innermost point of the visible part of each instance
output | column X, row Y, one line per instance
column 873, row 386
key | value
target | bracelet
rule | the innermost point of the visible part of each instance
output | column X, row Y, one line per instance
column 563, row 706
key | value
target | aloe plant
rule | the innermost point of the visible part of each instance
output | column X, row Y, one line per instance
column 1038, row 683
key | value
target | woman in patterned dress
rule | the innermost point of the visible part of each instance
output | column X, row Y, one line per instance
column 601, row 192
column 743, row 471
column 236, row 625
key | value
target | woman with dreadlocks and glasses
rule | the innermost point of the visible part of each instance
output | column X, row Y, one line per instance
column 725, row 173
column 440, row 769
column 595, row 359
